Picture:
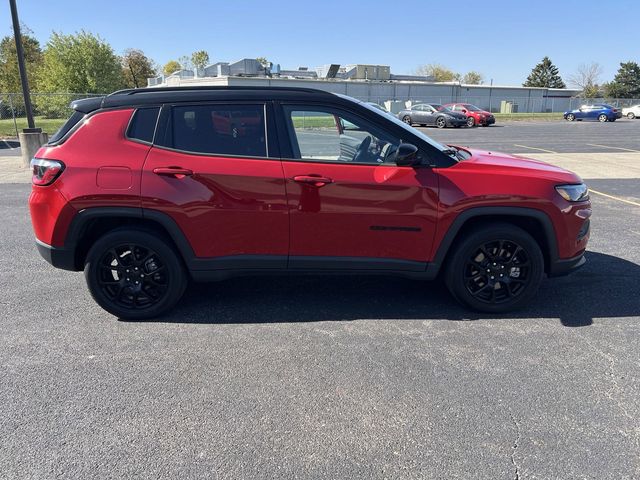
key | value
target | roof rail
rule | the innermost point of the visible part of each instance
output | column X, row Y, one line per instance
column 133, row 91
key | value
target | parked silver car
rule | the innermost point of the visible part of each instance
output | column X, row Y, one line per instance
column 432, row 114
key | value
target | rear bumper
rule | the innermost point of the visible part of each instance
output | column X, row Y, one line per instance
column 565, row 266
column 58, row 257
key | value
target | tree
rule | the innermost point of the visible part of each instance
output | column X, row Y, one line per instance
column 171, row 66
column 440, row 73
column 185, row 62
column 587, row 78
column 9, row 73
column 80, row 63
column 545, row 74
column 626, row 83
column 200, row 59
column 472, row 78
column 263, row 61
column 136, row 68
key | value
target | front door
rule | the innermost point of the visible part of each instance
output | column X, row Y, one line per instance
column 351, row 206
column 211, row 172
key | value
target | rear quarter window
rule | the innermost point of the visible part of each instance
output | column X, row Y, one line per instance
column 67, row 126
column 143, row 124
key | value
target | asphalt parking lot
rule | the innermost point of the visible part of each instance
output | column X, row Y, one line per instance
column 322, row 377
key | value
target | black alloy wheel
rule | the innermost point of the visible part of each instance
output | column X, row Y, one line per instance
column 134, row 274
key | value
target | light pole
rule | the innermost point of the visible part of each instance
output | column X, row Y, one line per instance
column 30, row 138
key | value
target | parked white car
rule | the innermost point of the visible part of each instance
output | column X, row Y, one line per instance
column 631, row 112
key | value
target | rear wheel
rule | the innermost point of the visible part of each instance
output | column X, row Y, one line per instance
column 495, row 269
column 571, row 117
column 134, row 274
column 471, row 121
column 407, row 119
column 441, row 122
column 602, row 118
column 631, row 115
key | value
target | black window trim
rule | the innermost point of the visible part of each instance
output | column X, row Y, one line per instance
column 155, row 128
column 165, row 119
column 289, row 129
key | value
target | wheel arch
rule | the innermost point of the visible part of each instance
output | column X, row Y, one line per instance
column 90, row 224
column 535, row 222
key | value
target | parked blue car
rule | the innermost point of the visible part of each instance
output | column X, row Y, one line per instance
column 600, row 112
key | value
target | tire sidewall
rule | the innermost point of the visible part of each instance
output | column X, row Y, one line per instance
column 464, row 249
column 177, row 278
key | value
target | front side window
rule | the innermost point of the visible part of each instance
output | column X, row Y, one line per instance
column 327, row 135
column 237, row 130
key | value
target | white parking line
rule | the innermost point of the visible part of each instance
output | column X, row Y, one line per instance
column 534, row 148
column 614, row 198
column 616, row 148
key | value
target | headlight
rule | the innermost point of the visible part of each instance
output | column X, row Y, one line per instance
column 573, row 193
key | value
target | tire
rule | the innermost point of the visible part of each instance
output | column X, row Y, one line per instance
column 471, row 122
column 571, row 117
column 441, row 122
column 407, row 119
column 602, row 118
column 510, row 252
column 631, row 115
column 139, row 285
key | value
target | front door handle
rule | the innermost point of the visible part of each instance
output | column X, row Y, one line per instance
column 312, row 180
column 177, row 172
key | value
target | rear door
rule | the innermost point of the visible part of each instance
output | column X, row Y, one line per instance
column 214, row 171
column 351, row 206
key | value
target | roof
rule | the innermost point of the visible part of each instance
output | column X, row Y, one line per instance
column 154, row 96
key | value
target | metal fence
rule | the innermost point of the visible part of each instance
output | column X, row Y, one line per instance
column 50, row 110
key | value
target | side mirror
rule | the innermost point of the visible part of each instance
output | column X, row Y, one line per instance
column 464, row 110
column 406, row 155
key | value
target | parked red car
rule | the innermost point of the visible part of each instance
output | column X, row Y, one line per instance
column 146, row 189
column 475, row 115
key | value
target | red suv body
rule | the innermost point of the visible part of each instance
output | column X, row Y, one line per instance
column 146, row 189
column 475, row 115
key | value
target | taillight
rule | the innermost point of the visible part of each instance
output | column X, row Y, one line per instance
column 45, row 171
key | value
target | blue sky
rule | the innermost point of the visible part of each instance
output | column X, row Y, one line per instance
column 501, row 39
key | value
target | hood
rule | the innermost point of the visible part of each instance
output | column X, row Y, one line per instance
column 454, row 114
column 517, row 165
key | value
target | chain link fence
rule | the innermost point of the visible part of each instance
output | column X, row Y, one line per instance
column 49, row 109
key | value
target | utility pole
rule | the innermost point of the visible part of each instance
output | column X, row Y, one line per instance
column 21, row 66
column 32, row 138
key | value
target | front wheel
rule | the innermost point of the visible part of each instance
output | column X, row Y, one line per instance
column 134, row 274
column 571, row 117
column 631, row 115
column 407, row 119
column 602, row 118
column 441, row 122
column 496, row 268
column 471, row 121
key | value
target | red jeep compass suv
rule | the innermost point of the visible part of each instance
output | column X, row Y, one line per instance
column 145, row 189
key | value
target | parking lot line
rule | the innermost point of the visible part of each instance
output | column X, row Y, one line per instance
column 615, row 148
column 534, row 148
column 614, row 197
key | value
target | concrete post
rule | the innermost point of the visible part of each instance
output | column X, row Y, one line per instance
column 31, row 139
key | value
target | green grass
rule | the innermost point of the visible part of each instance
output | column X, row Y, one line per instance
column 48, row 125
column 528, row 116
column 314, row 122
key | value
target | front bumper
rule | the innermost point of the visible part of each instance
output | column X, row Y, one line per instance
column 456, row 122
column 565, row 266
column 58, row 257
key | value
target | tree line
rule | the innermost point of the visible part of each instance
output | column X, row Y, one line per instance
column 80, row 63
column 625, row 84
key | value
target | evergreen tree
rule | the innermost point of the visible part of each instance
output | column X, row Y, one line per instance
column 626, row 83
column 544, row 74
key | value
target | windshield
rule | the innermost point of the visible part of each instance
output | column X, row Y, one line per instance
column 472, row 108
column 404, row 126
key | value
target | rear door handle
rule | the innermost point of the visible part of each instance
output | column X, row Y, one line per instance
column 312, row 179
column 178, row 172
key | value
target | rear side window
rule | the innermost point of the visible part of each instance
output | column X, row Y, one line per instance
column 237, row 130
column 143, row 124
column 68, row 125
